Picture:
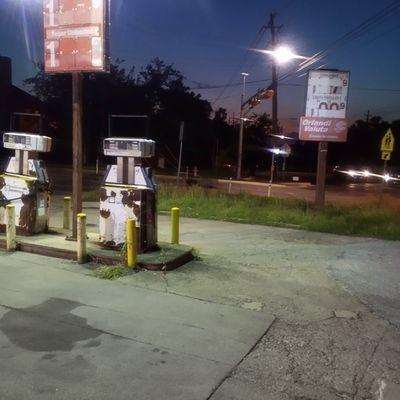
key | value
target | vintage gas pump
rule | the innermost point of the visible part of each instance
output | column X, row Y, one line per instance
column 129, row 191
column 25, row 183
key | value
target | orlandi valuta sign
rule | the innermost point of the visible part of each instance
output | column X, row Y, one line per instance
column 75, row 38
column 321, row 129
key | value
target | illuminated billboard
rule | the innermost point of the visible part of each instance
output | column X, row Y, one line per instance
column 326, row 107
column 327, row 92
column 75, row 38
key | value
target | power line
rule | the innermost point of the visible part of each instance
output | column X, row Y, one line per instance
column 351, row 35
column 241, row 65
column 237, row 84
column 254, row 43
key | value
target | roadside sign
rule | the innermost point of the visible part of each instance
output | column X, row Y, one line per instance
column 75, row 35
column 319, row 129
column 386, row 155
column 327, row 92
column 387, row 144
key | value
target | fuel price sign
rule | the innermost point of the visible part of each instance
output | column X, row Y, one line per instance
column 75, row 35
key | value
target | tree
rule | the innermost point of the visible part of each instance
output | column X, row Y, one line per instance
column 157, row 91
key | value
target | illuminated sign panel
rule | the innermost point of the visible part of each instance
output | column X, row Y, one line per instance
column 320, row 129
column 327, row 92
column 75, row 35
column 326, row 107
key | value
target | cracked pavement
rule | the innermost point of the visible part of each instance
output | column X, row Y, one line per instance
column 301, row 278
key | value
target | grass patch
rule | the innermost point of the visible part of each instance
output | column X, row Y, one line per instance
column 197, row 202
column 111, row 272
column 363, row 220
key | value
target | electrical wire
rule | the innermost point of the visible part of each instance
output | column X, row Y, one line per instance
column 348, row 37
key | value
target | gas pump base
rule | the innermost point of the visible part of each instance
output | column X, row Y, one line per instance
column 53, row 244
column 31, row 198
column 129, row 192
column 117, row 204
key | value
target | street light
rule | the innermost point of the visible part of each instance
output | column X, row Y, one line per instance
column 280, row 55
column 240, row 151
column 283, row 54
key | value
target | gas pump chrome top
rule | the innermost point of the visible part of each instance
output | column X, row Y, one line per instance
column 27, row 142
column 129, row 147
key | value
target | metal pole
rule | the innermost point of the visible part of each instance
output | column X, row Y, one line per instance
column 383, row 184
column 76, row 149
column 321, row 174
column 131, row 245
column 109, row 125
column 67, row 213
column 81, row 238
column 271, row 25
column 11, row 239
column 271, row 179
column 275, row 128
column 240, row 150
column 182, row 129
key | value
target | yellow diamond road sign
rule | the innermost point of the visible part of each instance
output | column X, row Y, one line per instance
column 387, row 144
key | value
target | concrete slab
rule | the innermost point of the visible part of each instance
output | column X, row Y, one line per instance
column 54, row 244
column 65, row 335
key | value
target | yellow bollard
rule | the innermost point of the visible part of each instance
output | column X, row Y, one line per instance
column 81, row 238
column 10, row 228
column 175, row 225
column 67, row 213
column 131, row 248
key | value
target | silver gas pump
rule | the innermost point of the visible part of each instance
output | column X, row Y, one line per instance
column 129, row 191
column 25, row 183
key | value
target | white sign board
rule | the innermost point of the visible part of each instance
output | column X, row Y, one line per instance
column 327, row 92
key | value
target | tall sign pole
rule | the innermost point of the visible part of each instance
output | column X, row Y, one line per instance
column 76, row 41
column 325, row 118
column 387, row 147
column 321, row 174
column 77, row 114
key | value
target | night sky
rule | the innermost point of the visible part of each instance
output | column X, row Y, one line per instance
column 208, row 41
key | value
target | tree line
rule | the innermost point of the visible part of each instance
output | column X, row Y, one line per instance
column 158, row 91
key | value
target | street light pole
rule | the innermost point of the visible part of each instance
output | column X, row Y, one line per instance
column 274, row 86
column 240, row 152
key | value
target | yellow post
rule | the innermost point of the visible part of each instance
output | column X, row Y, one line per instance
column 10, row 228
column 81, row 238
column 175, row 225
column 67, row 213
column 131, row 249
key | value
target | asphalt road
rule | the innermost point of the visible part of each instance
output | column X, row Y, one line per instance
column 347, row 193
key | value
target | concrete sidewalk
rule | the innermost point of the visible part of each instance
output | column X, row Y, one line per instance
column 65, row 335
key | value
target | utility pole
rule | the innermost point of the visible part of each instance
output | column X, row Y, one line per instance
column 240, row 151
column 274, row 29
column 181, row 132
column 77, row 95
column 367, row 117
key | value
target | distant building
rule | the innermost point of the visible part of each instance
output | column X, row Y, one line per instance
column 14, row 100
